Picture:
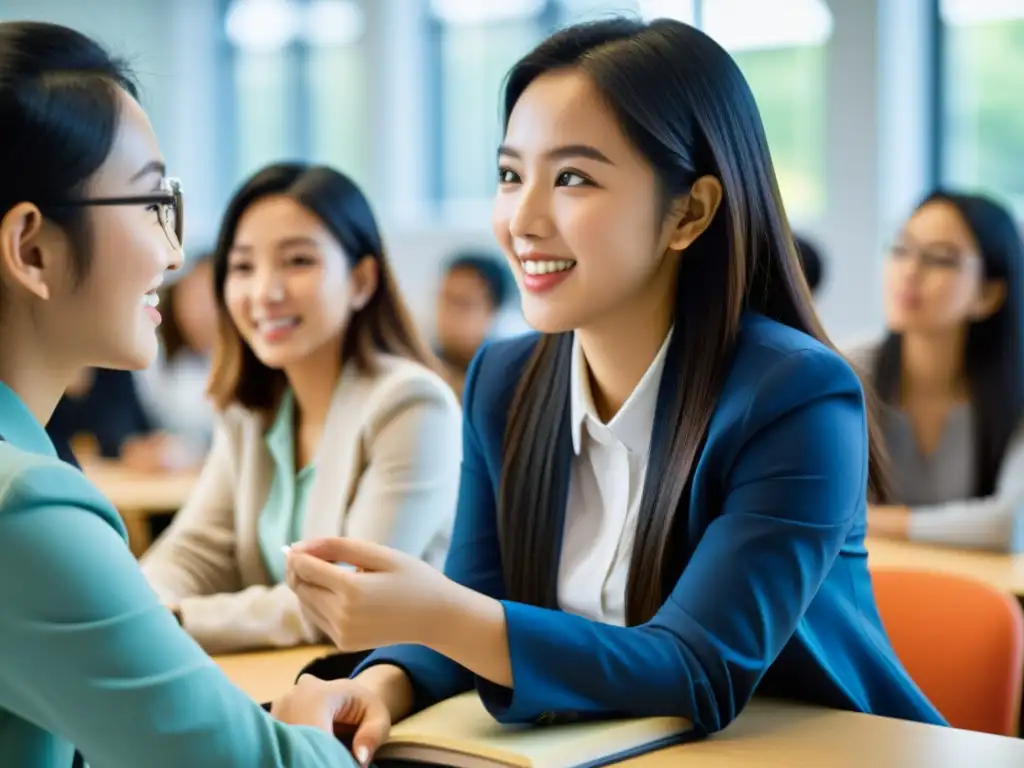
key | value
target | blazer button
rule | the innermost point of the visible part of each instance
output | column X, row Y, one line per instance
column 547, row 718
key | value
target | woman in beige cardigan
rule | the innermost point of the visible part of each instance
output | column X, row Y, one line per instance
column 331, row 419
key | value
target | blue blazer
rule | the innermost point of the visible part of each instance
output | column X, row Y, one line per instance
column 775, row 595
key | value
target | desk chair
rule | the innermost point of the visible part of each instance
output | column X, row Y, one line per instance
column 961, row 641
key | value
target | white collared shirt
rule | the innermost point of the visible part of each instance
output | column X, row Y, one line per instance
column 609, row 464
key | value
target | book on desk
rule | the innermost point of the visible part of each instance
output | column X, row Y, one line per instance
column 460, row 733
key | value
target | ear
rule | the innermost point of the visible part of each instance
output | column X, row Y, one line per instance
column 364, row 279
column 993, row 294
column 692, row 214
column 24, row 256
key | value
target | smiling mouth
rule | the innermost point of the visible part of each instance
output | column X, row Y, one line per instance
column 547, row 267
column 276, row 325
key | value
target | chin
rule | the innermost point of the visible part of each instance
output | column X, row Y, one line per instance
column 276, row 358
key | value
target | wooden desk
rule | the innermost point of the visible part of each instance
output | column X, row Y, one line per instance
column 1005, row 572
column 139, row 495
column 777, row 734
column 265, row 675
column 769, row 733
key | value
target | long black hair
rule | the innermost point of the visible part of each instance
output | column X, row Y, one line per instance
column 994, row 354
column 384, row 324
column 59, row 108
column 684, row 104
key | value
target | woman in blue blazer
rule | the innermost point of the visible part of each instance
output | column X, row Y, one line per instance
column 663, row 493
column 88, row 227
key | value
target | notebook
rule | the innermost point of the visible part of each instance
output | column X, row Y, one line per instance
column 460, row 733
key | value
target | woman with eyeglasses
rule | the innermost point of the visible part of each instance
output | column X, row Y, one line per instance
column 88, row 228
column 951, row 375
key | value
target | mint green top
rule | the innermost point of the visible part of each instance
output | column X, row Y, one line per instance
column 281, row 519
column 89, row 655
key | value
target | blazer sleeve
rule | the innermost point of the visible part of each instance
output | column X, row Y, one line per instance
column 91, row 655
column 794, row 490
column 994, row 522
column 194, row 566
column 406, row 495
column 196, row 554
column 474, row 560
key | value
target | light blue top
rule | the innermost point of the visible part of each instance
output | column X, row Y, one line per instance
column 281, row 520
column 90, row 657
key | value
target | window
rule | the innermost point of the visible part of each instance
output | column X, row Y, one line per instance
column 473, row 45
column 299, row 84
column 781, row 48
column 983, row 97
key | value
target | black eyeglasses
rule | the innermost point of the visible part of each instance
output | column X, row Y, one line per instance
column 168, row 202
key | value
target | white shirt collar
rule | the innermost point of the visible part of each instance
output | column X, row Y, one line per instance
column 633, row 423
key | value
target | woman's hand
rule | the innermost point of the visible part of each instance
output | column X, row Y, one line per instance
column 384, row 596
column 337, row 706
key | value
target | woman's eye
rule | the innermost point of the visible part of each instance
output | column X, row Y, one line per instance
column 571, row 179
column 507, row 176
column 301, row 261
column 239, row 267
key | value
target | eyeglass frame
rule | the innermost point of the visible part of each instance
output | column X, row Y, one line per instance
column 172, row 196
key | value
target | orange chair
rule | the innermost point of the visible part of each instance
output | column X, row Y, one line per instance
column 961, row 641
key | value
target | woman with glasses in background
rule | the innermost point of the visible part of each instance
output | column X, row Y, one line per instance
column 89, row 226
column 951, row 375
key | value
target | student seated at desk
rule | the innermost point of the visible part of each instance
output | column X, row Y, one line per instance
column 332, row 419
column 662, row 505
column 951, row 375
column 88, row 226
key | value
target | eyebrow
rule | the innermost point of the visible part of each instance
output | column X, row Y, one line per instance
column 562, row 153
column 287, row 242
column 153, row 166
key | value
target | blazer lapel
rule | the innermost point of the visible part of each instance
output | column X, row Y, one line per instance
column 336, row 457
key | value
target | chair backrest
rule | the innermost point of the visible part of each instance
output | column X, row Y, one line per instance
column 961, row 641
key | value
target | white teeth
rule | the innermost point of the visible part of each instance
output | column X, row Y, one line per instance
column 150, row 300
column 277, row 324
column 546, row 267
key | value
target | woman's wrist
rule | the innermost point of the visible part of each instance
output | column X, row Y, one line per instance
column 392, row 684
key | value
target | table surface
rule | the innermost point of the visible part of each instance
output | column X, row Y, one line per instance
column 140, row 493
column 769, row 733
column 1005, row 572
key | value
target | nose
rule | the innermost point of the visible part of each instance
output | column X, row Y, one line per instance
column 176, row 259
column 531, row 214
column 268, row 286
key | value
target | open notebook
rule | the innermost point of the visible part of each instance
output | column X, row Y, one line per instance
column 461, row 734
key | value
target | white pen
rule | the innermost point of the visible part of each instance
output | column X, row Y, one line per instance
column 347, row 566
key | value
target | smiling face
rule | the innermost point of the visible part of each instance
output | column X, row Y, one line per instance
column 108, row 318
column 934, row 276
column 577, row 212
column 288, row 290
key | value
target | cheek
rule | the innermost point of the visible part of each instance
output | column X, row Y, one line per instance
column 948, row 294
column 501, row 217
column 610, row 238
column 236, row 299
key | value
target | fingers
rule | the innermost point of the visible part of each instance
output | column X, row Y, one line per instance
column 361, row 554
column 371, row 733
column 316, row 603
column 312, row 570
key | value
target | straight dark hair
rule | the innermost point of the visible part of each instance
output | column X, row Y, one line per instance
column 59, row 112
column 383, row 325
column 994, row 354
column 684, row 104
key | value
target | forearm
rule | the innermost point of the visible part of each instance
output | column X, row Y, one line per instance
column 471, row 631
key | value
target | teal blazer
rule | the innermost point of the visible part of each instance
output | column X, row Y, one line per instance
column 90, row 657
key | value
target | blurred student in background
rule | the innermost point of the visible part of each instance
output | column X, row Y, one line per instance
column 173, row 389
column 332, row 420
column 474, row 289
column 99, row 416
column 951, row 373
